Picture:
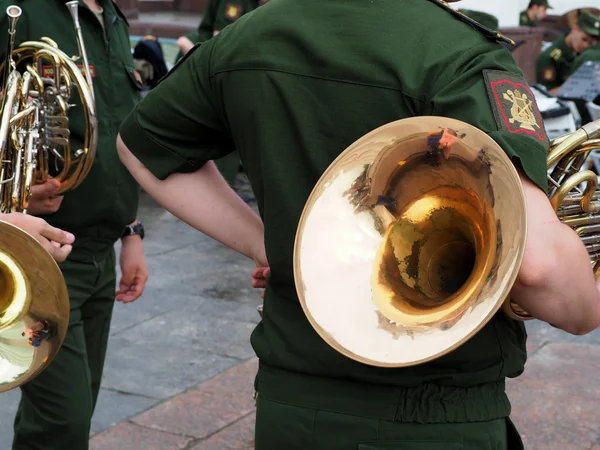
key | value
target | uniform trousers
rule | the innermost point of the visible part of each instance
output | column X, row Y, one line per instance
column 56, row 406
column 284, row 426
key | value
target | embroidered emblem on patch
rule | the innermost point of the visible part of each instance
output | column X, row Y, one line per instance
column 549, row 74
column 232, row 12
column 48, row 71
column 556, row 54
column 514, row 104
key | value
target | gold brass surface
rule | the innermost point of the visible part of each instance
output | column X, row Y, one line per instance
column 410, row 241
column 35, row 143
column 413, row 237
column 34, row 308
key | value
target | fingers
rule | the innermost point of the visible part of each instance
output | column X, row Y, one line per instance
column 46, row 190
column 56, row 234
column 259, row 284
column 259, row 277
column 131, row 289
column 58, row 252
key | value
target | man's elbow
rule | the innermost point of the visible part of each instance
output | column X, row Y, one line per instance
column 122, row 150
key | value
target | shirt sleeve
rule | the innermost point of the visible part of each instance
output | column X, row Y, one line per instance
column 177, row 126
column 207, row 24
column 480, row 87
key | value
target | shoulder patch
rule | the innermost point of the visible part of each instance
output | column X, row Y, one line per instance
column 513, row 103
column 233, row 12
column 556, row 54
column 487, row 32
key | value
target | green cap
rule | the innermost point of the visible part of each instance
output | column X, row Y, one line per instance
column 589, row 23
column 541, row 3
column 485, row 19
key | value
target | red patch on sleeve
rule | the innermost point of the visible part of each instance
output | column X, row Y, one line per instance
column 514, row 105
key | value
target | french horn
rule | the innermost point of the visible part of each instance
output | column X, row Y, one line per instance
column 423, row 223
column 35, row 144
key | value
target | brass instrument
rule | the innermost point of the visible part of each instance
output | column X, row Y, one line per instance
column 34, row 134
column 35, row 144
column 423, row 225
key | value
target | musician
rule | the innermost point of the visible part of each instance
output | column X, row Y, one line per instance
column 56, row 241
column 535, row 12
column 56, row 407
column 555, row 64
column 591, row 54
column 293, row 85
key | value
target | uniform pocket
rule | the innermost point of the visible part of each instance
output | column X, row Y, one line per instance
column 411, row 445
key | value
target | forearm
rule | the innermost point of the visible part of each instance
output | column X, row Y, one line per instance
column 555, row 282
column 564, row 292
column 204, row 200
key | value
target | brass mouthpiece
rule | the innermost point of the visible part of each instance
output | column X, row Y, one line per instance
column 13, row 11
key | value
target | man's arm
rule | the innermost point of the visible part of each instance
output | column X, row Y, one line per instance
column 204, row 200
column 555, row 282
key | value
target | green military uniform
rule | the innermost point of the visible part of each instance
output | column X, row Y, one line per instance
column 525, row 20
column 556, row 63
column 217, row 15
column 291, row 86
column 591, row 54
column 57, row 406
column 487, row 20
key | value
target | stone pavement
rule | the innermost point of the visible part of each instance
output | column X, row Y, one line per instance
column 180, row 367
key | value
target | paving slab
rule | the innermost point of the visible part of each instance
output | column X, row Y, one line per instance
column 556, row 402
column 160, row 370
column 128, row 436
column 237, row 436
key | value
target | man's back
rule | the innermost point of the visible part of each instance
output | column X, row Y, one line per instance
column 293, row 84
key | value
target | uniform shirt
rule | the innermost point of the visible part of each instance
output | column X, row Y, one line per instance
column 525, row 20
column 555, row 64
column 98, row 210
column 291, row 86
column 591, row 54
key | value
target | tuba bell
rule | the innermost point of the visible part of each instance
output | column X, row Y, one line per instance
column 424, row 224
column 38, row 81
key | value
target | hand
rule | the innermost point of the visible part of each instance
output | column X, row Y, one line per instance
column 43, row 198
column 259, row 278
column 133, row 268
column 56, row 241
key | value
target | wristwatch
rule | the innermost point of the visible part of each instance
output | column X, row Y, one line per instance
column 134, row 230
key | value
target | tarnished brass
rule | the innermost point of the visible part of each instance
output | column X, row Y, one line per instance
column 34, row 307
column 35, row 140
column 410, row 241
